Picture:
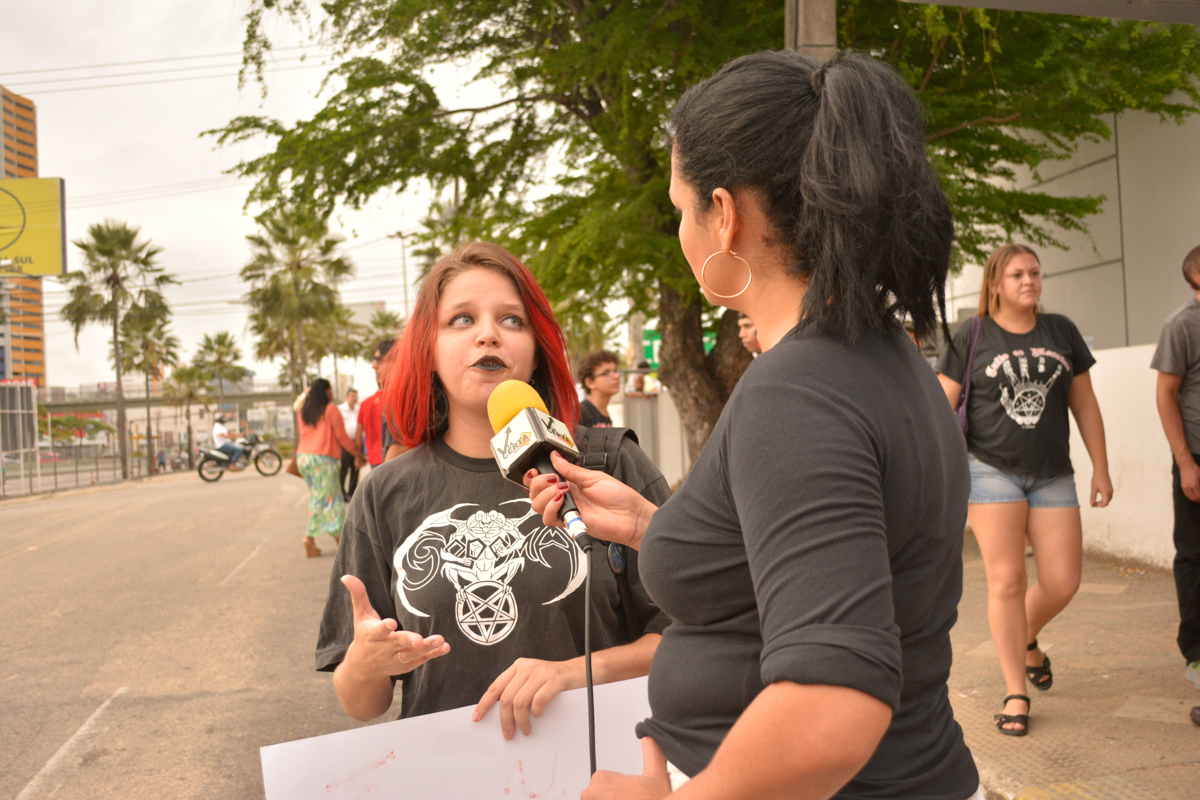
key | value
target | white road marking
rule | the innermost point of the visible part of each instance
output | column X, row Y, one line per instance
column 302, row 498
column 36, row 787
column 245, row 561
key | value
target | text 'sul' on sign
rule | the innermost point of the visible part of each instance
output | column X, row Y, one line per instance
column 33, row 238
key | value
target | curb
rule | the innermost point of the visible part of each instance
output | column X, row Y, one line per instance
column 996, row 783
column 130, row 483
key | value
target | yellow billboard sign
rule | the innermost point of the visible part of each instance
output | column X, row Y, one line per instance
column 33, row 229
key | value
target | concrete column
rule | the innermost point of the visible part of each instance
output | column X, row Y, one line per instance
column 810, row 28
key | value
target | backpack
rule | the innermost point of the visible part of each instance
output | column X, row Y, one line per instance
column 598, row 450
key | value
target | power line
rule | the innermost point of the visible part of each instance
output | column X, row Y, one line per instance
column 165, row 80
column 153, row 196
column 151, row 61
column 162, row 187
column 139, row 73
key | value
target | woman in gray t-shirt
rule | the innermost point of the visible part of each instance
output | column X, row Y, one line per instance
column 811, row 563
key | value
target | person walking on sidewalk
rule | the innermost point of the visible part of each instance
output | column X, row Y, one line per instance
column 1029, row 368
column 319, row 456
column 1177, row 359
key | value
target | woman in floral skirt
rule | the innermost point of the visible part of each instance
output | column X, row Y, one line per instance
column 319, row 458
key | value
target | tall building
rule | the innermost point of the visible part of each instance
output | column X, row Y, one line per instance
column 22, row 337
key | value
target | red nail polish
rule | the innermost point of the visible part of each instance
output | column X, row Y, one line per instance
column 551, row 479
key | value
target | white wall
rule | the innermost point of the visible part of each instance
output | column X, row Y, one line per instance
column 673, row 462
column 1137, row 524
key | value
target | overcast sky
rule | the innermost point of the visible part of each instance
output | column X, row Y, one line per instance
column 134, row 154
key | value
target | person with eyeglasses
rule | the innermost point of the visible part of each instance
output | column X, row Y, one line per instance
column 601, row 379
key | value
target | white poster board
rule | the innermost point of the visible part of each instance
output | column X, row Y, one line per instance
column 446, row 756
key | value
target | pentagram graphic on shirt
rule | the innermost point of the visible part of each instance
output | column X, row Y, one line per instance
column 1024, row 398
column 480, row 553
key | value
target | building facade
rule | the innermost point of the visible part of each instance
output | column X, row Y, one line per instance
column 1119, row 281
column 23, row 335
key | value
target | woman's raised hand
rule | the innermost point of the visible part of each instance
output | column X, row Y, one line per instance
column 378, row 649
column 613, row 511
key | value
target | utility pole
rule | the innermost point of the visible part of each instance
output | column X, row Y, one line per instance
column 403, row 237
column 810, row 28
column 404, row 272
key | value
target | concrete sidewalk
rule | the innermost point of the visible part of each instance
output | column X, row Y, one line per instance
column 1115, row 725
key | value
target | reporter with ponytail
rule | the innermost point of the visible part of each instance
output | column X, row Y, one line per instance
column 811, row 562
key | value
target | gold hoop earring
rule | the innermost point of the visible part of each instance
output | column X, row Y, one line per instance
column 749, row 274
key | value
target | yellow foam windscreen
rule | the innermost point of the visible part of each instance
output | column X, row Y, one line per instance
column 507, row 400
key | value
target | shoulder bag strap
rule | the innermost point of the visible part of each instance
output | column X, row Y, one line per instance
column 599, row 452
column 976, row 328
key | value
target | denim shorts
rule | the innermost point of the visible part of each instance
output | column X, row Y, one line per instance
column 991, row 485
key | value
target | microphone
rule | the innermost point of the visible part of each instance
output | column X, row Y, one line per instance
column 525, row 437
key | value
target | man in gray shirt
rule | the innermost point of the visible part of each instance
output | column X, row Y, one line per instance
column 1177, row 359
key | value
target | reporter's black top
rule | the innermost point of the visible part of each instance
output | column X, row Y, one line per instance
column 818, row 540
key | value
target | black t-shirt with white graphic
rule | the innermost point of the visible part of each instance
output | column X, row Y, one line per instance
column 445, row 545
column 1020, row 382
column 592, row 417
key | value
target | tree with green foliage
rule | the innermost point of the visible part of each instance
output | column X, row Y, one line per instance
column 64, row 428
column 336, row 336
column 149, row 348
column 292, row 274
column 382, row 325
column 120, row 276
column 188, row 386
column 582, row 96
column 218, row 357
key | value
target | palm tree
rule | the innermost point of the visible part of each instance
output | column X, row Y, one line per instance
column 383, row 325
column 218, row 356
column 337, row 335
column 120, row 275
column 292, row 274
column 188, row 386
column 147, row 347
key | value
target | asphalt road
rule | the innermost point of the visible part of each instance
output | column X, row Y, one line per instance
column 155, row 635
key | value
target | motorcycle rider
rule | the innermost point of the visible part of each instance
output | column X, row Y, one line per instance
column 224, row 442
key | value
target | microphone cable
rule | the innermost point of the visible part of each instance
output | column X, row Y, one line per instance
column 587, row 652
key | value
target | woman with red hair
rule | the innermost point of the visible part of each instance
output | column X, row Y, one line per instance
column 453, row 585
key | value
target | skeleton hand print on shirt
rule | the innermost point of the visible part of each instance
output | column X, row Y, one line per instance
column 479, row 556
column 1026, row 401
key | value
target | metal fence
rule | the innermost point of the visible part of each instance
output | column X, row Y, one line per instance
column 33, row 467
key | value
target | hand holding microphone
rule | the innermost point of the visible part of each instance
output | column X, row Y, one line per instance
column 614, row 512
column 539, row 456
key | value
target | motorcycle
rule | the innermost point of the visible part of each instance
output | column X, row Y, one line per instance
column 266, row 459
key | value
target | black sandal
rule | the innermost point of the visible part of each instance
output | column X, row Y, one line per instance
column 1041, row 677
column 1019, row 719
